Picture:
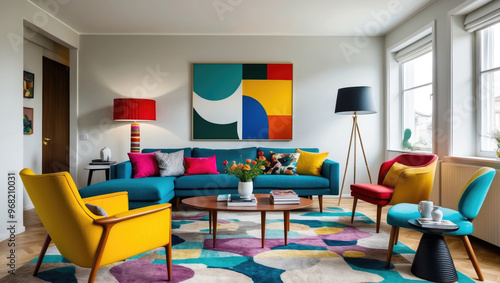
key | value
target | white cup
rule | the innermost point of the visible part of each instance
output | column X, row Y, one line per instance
column 425, row 208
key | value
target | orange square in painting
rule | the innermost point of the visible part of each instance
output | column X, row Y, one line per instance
column 279, row 71
column 280, row 127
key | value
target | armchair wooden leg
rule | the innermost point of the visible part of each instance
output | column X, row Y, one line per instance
column 379, row 216
column 99, row 252
column 42, row 254
column 354, row 203
column 472, row 256
column 394, row 234
column 168, row 253
column 320, row 200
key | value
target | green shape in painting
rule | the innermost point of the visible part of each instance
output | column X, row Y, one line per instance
column 203, row 129
column 255, row 71
column 216, row 81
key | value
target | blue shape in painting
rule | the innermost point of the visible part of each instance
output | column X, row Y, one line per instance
column 216, row 81
column 255, row 123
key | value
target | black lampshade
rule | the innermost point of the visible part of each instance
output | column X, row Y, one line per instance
column 357, row 99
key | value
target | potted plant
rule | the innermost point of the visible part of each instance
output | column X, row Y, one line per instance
column 246, row 172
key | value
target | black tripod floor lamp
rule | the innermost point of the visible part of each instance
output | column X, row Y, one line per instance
column 357, row 100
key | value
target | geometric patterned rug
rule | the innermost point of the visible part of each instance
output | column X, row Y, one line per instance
column 322, row 247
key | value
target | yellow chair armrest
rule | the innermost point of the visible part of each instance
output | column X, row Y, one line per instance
column 414, row 185
column 131, row 214
column 111, row 203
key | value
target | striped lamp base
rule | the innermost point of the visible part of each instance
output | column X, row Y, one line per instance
column 135, row 138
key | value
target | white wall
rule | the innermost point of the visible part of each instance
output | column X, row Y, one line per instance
column 118, row 66
column 35, row 48
column 13, row 15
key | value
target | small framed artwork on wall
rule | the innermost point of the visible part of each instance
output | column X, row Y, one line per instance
column 28, row 120
column 29, row 84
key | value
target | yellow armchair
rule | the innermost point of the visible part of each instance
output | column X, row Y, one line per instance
column 90, row 240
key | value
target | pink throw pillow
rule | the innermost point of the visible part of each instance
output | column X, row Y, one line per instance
column 200, row 165
column 144, row 164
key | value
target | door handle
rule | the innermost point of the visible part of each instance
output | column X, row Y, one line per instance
column 45, row 141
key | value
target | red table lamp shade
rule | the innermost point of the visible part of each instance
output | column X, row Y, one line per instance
column 133, row 109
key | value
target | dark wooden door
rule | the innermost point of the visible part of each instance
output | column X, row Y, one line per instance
column 55, row 153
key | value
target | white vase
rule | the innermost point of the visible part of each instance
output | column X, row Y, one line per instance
column 437, row 214
column 245, row 189
column 106, row 154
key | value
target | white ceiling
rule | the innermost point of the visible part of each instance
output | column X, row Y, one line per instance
column 233, row 17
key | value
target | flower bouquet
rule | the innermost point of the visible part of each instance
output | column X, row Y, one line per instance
column 248, row 170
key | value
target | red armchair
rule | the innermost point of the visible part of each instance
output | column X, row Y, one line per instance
column 405, row 178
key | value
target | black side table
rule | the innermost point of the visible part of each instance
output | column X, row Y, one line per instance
column 93, row 168
column 432, row 260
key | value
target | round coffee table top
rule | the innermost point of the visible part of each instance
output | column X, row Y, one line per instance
column 263, row 204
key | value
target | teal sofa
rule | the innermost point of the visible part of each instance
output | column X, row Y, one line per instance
column 154, row 190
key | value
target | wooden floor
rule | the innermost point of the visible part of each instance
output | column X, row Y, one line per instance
column 29, row 243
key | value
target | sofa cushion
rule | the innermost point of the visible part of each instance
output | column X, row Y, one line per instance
column 202, row 182
column 284, row 164
column 143, row 165
column 267, row 150
column 187, row 150
column 310, row 163
column 200, row 165
column 170, row 164
column 290, row 182
column 142, row 189
column 237, row 154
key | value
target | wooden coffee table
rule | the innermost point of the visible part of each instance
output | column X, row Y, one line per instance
column 264, row 205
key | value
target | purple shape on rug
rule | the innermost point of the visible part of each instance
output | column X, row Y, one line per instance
column 142, row 270
column 348, row 234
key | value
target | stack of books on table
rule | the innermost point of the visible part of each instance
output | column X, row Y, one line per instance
column 237, row 200
column 429, row 223
column 284, row 197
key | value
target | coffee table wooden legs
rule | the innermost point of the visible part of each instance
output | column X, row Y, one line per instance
column 212, row 219
column 263, row 227
column 214, row 224
column 286, row 222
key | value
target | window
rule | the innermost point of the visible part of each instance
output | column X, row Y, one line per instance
column 489, row 87
column 416, row 92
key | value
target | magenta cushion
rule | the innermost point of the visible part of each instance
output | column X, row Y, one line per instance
column 200, row 165
column 144, row 164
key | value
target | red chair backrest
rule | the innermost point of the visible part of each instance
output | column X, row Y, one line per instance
column 409, row 159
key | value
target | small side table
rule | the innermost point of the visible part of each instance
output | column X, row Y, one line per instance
column 93, row 168
column 432, row 260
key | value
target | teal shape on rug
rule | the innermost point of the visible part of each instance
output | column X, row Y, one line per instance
column 335, row 208
column 258, row 272
column 278, row 234
column 294, row 246
column 188, row 246
column 317, row 223
column 377, row 267
column 65, row 274
column 178, row 223
column 217, row 254
column 401, row 248
column 52, row 259
column 337, row 243
column 242, row 236
column 218, row 262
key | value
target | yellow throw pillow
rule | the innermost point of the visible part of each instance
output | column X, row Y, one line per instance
column 392, row 176
column 310, row 163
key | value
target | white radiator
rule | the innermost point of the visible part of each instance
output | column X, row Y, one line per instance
column 487, row 224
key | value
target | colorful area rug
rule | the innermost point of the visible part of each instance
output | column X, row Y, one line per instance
column 322, row 247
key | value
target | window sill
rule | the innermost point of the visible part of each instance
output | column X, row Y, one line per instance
column 469, row 160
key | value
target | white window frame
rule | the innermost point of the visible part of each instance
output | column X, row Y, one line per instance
column 402, row 91
column 479, row 96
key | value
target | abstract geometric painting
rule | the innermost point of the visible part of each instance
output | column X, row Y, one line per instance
column 242, row 101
